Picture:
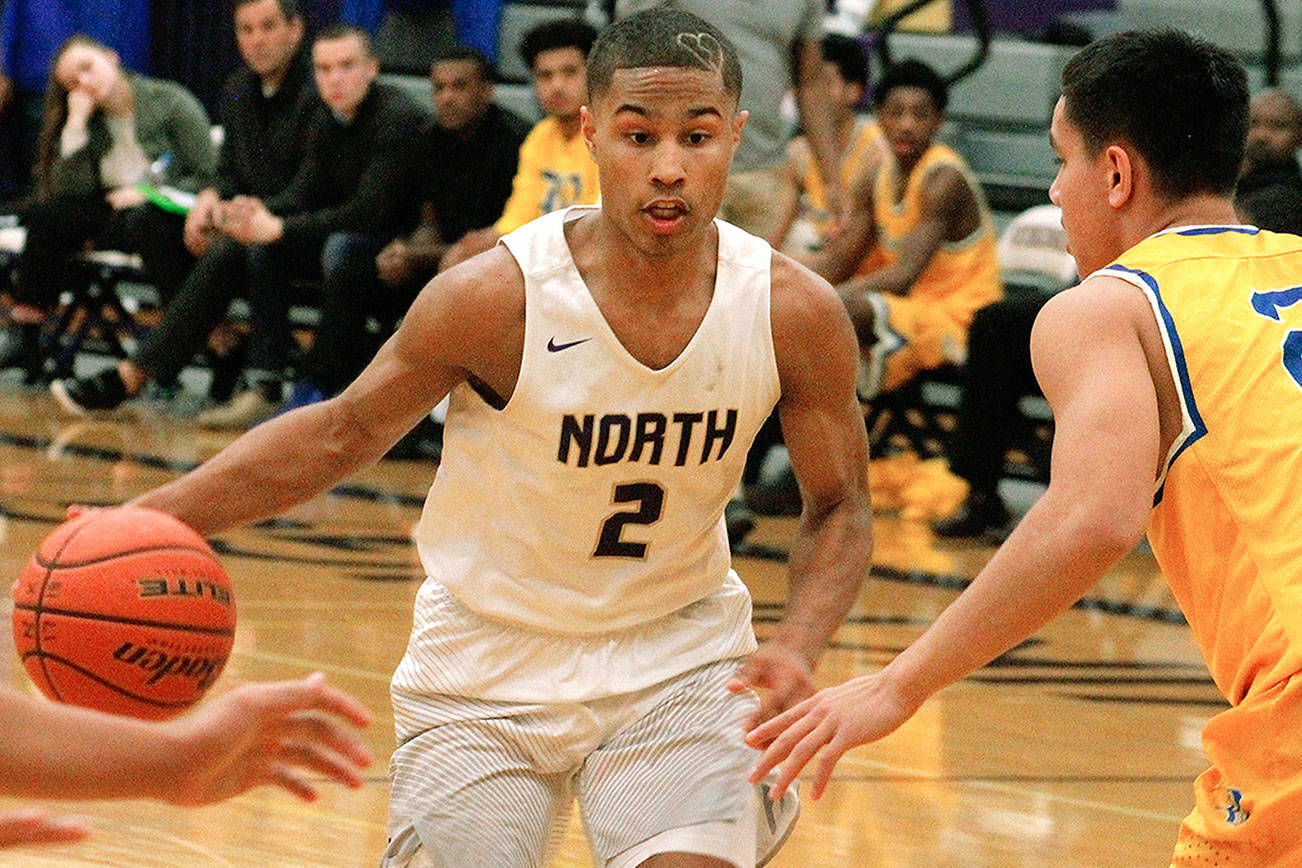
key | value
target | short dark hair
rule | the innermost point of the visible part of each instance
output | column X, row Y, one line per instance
column 847, row 55
column 288, row 8
column 1180, row 101
column 464, row 52
column 912, row 73
column 340, row 30
column 558, row 33
column 662, row 37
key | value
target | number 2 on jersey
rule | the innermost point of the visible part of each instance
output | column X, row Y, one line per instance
column 1268, row 304
column 650, row 500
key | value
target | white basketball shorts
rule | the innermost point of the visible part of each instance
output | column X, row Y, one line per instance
column 659, row 770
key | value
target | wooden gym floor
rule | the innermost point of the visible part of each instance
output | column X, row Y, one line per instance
column 1076, row 749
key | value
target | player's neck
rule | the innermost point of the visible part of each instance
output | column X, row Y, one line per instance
column 1199, row 210
column 845, row 130
column 607, row 252
column 569, row 126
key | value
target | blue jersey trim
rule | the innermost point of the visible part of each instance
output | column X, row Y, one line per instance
column 1177, row 352
column 1217, row 230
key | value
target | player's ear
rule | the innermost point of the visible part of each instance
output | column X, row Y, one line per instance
column 739, row 121
column 1121, row 172
column 589, row 128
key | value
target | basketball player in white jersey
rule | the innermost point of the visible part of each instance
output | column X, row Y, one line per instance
column 581, row 635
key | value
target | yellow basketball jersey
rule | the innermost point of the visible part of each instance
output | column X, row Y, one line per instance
column 866, row 138
column 1226, row 525
column 555, row 172
column 962, row 275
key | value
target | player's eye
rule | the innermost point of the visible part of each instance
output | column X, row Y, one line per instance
column 698, row 138
column 638, row 137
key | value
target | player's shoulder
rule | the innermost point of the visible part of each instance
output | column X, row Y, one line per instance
column 1102, row 300
column 800, row 300
column 945, row 184
column 482, row 293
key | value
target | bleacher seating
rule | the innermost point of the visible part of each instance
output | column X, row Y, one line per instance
column 1235, row 25
column 517, row 20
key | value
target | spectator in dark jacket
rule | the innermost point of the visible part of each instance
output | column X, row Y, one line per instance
column 352, row 183
column 466, row 161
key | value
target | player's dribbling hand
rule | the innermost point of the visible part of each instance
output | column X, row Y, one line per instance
column 832, row 721
column 782, row 676
column 37, row 827
column 269, row 734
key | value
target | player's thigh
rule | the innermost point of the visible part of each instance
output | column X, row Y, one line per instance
column 682, row 764
column 469, row 794
column 923, row 335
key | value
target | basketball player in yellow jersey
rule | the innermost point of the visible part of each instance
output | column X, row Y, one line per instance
column 805, row 215
column 1175, row 375
column 920, row 239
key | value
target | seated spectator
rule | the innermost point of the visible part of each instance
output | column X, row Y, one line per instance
column 1270, row 187
column 350, row 192
column 555, row 170
column 103, row 130
column 31, row 33
column 805, row 217
column 921, row 225
column 265, row 110
column 466, row 161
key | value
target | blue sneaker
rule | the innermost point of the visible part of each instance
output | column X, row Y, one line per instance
column 303, row 393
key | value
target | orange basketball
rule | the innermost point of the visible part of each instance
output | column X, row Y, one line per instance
column 125, row 610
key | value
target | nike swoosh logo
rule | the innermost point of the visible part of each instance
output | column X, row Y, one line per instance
column 553, row 347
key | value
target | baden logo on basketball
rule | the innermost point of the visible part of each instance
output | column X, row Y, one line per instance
column 160, row 664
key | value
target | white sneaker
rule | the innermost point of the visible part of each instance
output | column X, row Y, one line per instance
column 776, row 821
column 244, row 410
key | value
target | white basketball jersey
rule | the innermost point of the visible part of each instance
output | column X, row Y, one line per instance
column 593, row 501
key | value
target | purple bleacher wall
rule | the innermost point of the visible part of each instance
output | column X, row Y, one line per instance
column 1025, row 16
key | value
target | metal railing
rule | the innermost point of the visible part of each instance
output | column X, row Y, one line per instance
column 980, row 26
column 1270, row 56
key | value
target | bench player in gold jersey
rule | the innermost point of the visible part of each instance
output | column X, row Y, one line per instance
column 916, row 257
column 1175, row 375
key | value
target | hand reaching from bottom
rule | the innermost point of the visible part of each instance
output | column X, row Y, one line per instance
column 269, row 734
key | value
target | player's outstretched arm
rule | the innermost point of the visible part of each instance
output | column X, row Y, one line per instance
column 824, row 431
column 1091, row 365
column 270, row 733
column 454, row 326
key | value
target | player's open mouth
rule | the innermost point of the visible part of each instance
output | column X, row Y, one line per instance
column 665, row 216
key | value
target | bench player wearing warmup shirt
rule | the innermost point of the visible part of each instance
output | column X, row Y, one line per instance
column 581, row 634
column 1175, row 376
